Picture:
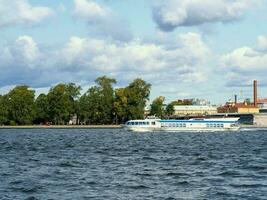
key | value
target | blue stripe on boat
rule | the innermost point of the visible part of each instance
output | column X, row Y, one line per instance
column 195, row 121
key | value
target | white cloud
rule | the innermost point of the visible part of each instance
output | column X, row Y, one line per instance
column 20, row 12
column 83, row 59
column 139, row 58
column 262, row 43
column 169, row 14
column 101, row 20
column 244, row 64
column 91, row 11
column 23, row 52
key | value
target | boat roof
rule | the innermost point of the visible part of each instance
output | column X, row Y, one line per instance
column 204, row 120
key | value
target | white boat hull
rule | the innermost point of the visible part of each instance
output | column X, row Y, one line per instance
column 197, row 125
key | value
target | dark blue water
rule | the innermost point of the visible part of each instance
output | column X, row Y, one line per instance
column 113, row 164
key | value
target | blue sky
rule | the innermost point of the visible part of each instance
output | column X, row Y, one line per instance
column 208, row 49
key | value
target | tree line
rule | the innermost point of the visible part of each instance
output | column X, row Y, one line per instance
column 100, row 104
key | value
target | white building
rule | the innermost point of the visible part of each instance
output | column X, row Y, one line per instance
column 194, row 110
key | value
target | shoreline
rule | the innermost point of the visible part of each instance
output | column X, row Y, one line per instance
column 92, row 126
column 63, row 127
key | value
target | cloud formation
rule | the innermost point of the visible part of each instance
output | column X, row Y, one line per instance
column 83, row 59
column 21, row 12
column 101, row 20
column 170, row 14
column 244, row 64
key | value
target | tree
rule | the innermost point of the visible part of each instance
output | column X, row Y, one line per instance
column 3, row 110
column 137, row 94
column 41, row 104
column 89, row 106
column 121, row 104
column 21, row 107
column 169, row 109
column 97, row 104
column 157, row 108
column 61, row 102
column 183, row 102
column 106, row 93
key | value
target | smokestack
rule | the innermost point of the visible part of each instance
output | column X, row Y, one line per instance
column 255, row 92
column 235, row 99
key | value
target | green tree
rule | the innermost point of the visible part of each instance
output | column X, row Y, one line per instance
column 62, row 102
column 3, row 110
column 184, row 102
column 169, row 109
column 41, row 104
column 157, row 107
column 89, row 106
column 21, row 107
column 137, row 94
column 121, row 105
column 106, row 93
column 96, row 105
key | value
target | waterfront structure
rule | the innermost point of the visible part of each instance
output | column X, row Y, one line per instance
column 194, row 110
column 262, row 104
column 244, row 108
column 203, row 124
column 240, row 108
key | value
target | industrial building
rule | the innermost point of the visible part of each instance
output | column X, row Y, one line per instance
column 262, row 104
column 242, row 108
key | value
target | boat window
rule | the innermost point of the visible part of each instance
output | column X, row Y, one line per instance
column 135, row 123
column 153, row 123
column 184, row 125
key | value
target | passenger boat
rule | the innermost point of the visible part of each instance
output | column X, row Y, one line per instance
column 198, row 124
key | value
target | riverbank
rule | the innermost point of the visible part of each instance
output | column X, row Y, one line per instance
column 252, row 126
column 63, row 127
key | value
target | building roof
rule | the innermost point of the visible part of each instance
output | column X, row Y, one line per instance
column 262, row 100
column 176, row 108
column 242, row 105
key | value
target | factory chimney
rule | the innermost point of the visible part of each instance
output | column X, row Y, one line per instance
column 255, row 93
column 235, row 99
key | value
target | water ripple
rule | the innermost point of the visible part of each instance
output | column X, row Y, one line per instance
column 113, row 164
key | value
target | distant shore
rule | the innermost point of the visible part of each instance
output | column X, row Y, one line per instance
column 91, row 127
column 252, row 126
column 63, row 127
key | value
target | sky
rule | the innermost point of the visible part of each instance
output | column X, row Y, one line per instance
column 208, row 49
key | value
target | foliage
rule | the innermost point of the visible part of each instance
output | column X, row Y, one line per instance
column 3, row 110
column 121, row 104
column 137, row 94
column 97, row 102
column 41, row 104
column 21, row 107
column 157, row 107
column 101, row 104
column 61, row 102
column 184, row 102
column 169, row 109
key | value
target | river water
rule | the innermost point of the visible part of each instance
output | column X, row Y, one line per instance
column 114, row 164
